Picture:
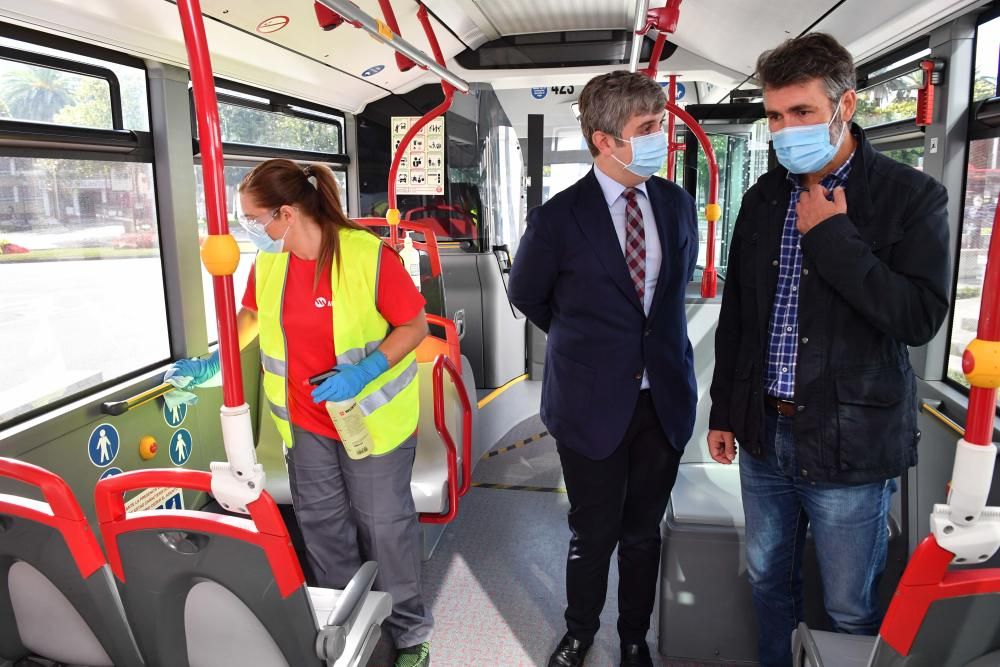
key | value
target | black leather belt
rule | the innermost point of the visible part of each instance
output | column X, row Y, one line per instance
column 781, row 406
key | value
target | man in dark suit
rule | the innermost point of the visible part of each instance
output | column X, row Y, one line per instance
column 602, row 268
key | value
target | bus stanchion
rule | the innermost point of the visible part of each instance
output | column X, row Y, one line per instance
column 238, row 481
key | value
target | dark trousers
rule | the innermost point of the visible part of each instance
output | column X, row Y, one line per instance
column 618, row 501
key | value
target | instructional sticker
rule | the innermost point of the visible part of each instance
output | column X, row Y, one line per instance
column 110, row 472
column 156, row 499
column 181, row 445
column 421, row 169
column 539, row 92
column 175, row 415
column 102, row 447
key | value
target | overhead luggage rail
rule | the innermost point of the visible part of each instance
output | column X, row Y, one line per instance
column 346, row 10
column 190, row 606
column 57, row 598
column 386, row 35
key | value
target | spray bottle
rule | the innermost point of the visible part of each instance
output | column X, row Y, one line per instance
column 349, row 421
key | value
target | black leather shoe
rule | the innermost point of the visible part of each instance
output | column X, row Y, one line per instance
column 570, row 652
column 636, row 655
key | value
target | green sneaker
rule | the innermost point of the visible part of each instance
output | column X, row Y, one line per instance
column 414, row 656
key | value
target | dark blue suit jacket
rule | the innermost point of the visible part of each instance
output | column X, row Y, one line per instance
column 570, row 279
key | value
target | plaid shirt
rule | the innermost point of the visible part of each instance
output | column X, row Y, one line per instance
column 783, row 346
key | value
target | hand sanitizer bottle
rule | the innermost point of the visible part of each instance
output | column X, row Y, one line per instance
column 411, row 260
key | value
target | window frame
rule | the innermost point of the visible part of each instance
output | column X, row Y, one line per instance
column 37, row 140
column 31, row 58
column 977, row 129
column 270, row 102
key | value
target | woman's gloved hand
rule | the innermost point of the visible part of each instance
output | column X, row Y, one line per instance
column 192, row 372
column 350, row 379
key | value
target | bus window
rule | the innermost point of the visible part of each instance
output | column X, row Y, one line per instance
column 84, row 300
column 741, row 153
column 913, row 156
column 982, row 183
column 890, row 100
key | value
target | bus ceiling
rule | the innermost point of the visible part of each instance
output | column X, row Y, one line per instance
column 279, row 46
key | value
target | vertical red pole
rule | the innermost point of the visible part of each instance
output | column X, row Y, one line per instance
column 983, row 400
column 449, row 93
column 709, row 278
column 210, row 140
column 671, row 123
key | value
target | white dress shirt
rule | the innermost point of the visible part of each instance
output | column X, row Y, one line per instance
column 613, row 191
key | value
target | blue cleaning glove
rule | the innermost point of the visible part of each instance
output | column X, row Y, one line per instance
column 350, row 379
column 192, row 372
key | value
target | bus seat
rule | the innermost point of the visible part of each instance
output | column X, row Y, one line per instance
column 702, row 562
column 959, row 628
column 58, row 600
column 206, row 589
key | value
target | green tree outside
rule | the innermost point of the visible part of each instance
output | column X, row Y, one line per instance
column 35, row 93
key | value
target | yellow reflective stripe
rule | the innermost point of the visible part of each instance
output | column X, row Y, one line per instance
column 389, row 390
column 357, row 354
column 272, row 365
column 279, row 411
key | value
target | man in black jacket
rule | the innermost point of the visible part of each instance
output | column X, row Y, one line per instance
column 839, row 261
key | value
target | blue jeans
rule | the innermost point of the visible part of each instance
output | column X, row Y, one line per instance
column 848, row 524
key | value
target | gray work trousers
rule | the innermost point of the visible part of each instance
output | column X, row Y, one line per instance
column 351, row 511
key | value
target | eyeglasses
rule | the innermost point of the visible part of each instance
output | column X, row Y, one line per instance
column 254, row 224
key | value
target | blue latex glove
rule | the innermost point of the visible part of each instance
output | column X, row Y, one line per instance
column 350, row 379
column 192, row 372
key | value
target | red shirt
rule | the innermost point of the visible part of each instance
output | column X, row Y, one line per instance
column 308, row 327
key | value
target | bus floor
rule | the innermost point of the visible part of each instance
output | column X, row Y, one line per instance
column 496, row 583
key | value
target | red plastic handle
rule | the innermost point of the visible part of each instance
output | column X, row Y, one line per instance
column 109, row 495
column 64, row 513
column 455, row 491
column 402, row 62
column 55, row 490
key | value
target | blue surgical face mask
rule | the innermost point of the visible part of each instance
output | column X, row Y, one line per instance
column 257, row 233
column 805, row 149
column 649, row 152
column 264, row 242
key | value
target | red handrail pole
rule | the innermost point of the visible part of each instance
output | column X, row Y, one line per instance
column 709, row 278
column 402, row 62
column 437, row 378
column 210, row 140
column 449, row 93
column 654, row 58
column 441, row 364
column 983, row 400
column 671, row 122
column 425, row 21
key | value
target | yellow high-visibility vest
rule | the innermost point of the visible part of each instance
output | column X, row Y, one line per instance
column 390, row 402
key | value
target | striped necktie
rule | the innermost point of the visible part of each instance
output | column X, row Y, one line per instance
column 635, row 242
